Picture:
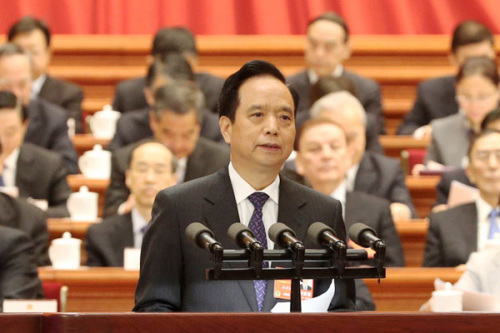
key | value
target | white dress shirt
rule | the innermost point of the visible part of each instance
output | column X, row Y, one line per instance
column 10, row 169
column 340, row 194
column 180, row 171
column 350, row 177
column 313, row 77
column 483, row 222
column 36, row 86
column 242, row 190
column 138, row 222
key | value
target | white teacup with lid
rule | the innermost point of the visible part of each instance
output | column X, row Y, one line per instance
column 95, row 163
column 82, row 205
column 64, row 253
column 447, row 300
column 103, row 123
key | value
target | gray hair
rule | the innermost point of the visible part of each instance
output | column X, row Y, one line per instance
column 180, row 97
column 337, row 102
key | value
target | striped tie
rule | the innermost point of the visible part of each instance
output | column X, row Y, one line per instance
column 258, row 199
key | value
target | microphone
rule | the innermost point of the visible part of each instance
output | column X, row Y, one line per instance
column 244, row 237
column 285, row 237
column 322, row 234
column 365, row 236
column 203, row 237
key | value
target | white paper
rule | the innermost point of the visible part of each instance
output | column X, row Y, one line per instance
column 17, row 305
column 132, row 259
column 461, row 194
column 473, row 300
column 317, row 304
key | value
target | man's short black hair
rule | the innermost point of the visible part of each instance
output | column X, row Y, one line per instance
column 492, row 116
column 334, row 18
column 9, row 101
column 470, row 32
column 179, row 97
column 174, row 39
column 28, row 24
column 172, row 65
column 229, row 98
column 476, row 137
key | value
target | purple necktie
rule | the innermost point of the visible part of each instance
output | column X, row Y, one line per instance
column 258, row 199
column 493, row 224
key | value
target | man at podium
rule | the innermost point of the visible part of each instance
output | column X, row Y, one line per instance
column 257, row 119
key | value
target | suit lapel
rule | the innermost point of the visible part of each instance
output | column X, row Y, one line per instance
column 470, row 229
column 124, row 237
column 366, row 175
column 25, row 171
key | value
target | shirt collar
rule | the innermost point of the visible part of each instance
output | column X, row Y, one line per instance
column 242, row 189
column 351, row 177
column 483, row 209
column 313, row 77
column 11, row 160
column 36, row 85
column 138, row 222
column 340, row 193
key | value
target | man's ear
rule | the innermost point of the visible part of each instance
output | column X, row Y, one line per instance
column 347, row 51
column 127, row 178
column 226, row 127
column 299, row 166
column 148, row 94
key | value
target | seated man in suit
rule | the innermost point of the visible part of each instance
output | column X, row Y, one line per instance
column 129, row 94
column 175, row 121
column 326, row 49
column 33, row 35
column 257, row 119
column 36, row 172
column 457, row 232
column 19, row 214
column 47, row 125
column 323, row 158
column 134, row 126
column 436, row 97
column 151, row 169
column 18, row 271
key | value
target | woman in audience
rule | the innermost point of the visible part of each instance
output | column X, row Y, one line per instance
column 477, row 89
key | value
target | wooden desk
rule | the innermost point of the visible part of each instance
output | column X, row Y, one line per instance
column 84, row 142
column 394, row 144
column 423, row 192
column 95, row 185
column 20, row 322
column 413, row 234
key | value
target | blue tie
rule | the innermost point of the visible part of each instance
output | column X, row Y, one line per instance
column 493, row 224
column 258, row 199
column 1, row 177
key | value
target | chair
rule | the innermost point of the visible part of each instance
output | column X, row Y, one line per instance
column 412, row 157
column 57, row 291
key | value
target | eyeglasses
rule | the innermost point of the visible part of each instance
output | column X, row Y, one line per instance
column 485, row 155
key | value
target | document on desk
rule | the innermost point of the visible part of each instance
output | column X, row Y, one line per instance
column 461, row 194
column 473, row 300
column 316, row 304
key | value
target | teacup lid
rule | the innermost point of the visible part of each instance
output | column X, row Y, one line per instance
column 66, row 239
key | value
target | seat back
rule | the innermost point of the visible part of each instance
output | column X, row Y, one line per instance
column 57, row 291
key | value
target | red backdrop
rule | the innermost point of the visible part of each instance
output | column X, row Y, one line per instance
column 228, row 17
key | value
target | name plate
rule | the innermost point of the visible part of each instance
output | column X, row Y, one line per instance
column 132, row 259
column 29, row 305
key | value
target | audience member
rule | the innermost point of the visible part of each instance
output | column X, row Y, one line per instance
column 481, row 274
column 436, row 97
column 323, row 159
column 326, row 50
column 33, row 36
column 19, row 214
column 151, row 169
column 176, row 123
column 129, row 94
column 370, row 173
column 257, row 118
column 457, row 232
column 134, row 126
column 47, row 125
column 18, row 271
column 36, row 172
column 478, row 93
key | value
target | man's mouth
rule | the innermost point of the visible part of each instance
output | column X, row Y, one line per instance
column 270, row 146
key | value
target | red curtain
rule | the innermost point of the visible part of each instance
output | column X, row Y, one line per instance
column 228, row 17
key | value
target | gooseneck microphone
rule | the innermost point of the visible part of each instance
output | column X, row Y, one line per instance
column 203, row 237
column 285, row 237
column 244, row 237
column 323, row 235
column 365, row 236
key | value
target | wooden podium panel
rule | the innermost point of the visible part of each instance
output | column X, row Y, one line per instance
column 20, row 323
column 413, row 234
column 423, row 192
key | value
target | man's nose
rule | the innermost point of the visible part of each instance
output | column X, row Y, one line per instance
column 271, row 124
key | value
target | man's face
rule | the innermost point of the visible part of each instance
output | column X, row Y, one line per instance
column 484, row 165
column 179, row 132
column 262, row 135
column 12, row 130
column 326, row 47
column 15, row 76
column 323, row 155
column 150, row 172
column 481, row 49
column 35, row 45
column 353, row 127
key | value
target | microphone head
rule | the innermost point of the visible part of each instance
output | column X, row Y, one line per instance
column 316, row 229
column 356, row 232
column 236, row 229
column 194, row 230
column 277, row 229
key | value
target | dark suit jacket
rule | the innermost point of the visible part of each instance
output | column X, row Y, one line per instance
column 18, row 214
column 129, row 93
column 435, row 99
column 444, row 186
column 376, row 213
column 106, row 241
column 67, row 95
column 383, row 177
column 134, row 126
column 367, row 91
column 452, row 236
column 207, row 158
column 41, row 175
column 48, row 129
column 173, row 269
column 18, row 271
